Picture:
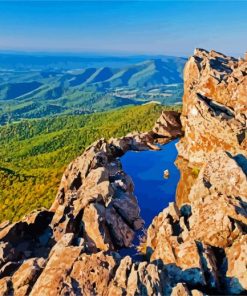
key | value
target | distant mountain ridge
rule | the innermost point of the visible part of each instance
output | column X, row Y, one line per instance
column 149, row 73
column 22, row 61
column 39, row 93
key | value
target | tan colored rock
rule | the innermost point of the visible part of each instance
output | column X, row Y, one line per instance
column 22, row 277
column 96, row 197
column 180, row 290
column 25, row 239
column 144, row 279
column 26, row 275
column 223, row 174
column 94, row 218
column 118, row 285
column 215, row 220
column 236, row 265
column 197, row 293
column 181, row 255
column 214, row 106
column 134, row 141
column 96, row 188
column 6, row 286
column 168, row 127
column 188, row 176
column 218, row 200
column 77, row 170
column 93, row 273
column 53, row 278
column 4, row 224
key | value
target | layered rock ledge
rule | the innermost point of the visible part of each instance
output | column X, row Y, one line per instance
column 197, row 246
column 94, row 211
column 214, row 115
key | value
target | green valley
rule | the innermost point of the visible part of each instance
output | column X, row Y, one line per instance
column 34, row 153
column 83, row 86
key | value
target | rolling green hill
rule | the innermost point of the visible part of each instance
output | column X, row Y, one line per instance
column 34, row 153
column 41, row 93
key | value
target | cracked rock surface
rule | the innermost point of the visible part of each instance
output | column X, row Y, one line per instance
column 196, row 247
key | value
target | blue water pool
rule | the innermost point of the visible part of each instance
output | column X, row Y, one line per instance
column 146, row 169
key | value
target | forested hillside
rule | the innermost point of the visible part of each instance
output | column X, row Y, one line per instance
column 34, row 93
column 34, row 153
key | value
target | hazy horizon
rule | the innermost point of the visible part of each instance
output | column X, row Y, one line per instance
column 85, row 53
column 123, row 28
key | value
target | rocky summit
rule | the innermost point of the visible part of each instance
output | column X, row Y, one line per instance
column 214, row 106
column 195, row 246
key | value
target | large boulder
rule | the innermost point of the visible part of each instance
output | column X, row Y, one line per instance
column 218, row 201
column 168, row 241
column 95, row 191
column 53, row 278
column 214, row 106
column 167, row 127
column 235, row 267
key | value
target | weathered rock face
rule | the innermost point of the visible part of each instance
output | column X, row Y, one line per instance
column 188, row 176
column 218, row 200
column 206, row 239
column 197, row 246
column 60, row 251
column 235, row 266
column 168, row 126
column 169, row 240
column 214, row 106
column 95, row 199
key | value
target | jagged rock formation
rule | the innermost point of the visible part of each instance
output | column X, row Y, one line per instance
column 167, row 127
column 95, row 210
column 195, row 248
column 206, row 239
column 214, row 119
column 214, row 113
column 199, row 248
column 95, row 199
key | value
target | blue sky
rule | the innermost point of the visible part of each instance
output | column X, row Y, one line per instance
column 120, row 27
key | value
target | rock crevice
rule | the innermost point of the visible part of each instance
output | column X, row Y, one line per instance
column 196, row 246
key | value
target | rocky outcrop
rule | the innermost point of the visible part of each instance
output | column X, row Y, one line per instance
column 167, row 127
column 214, row 148
column 95, row 212
column 186, row 259
column 197, row 246
column 96, row 191
column 205, row 240
column 96, row 200
column 218, row 200
column 198, row 239
column 214, row 113
column 197, row 249
column 234, row 266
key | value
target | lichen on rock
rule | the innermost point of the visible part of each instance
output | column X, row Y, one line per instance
column 196, row 246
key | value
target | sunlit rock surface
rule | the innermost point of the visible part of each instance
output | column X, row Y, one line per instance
column 196, row 246
column 214, row 105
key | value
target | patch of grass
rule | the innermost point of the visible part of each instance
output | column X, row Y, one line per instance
column 195, row 171
column 34, row 153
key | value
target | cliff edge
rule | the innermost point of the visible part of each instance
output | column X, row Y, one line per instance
column 214, row 112
column 196, row 247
